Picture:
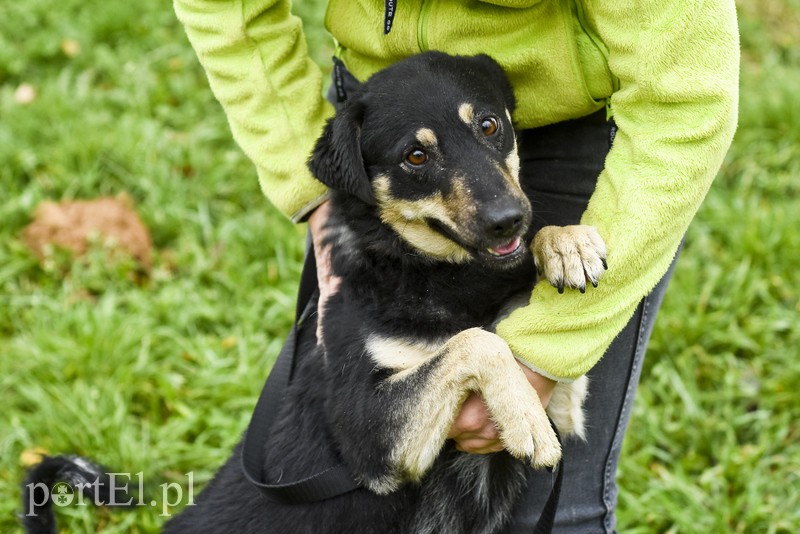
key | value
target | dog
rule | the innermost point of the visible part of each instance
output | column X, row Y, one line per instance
column 430, row 234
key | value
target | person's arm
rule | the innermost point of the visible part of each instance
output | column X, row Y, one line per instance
column 676, row 111
column 255, row 55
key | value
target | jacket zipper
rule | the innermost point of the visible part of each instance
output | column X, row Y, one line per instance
column 422, row 25
column 598, row 43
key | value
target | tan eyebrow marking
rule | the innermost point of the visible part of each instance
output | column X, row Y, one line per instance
column 466, row 112
column 427, row 137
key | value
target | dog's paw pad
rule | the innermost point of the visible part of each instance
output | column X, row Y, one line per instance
column 570, row 256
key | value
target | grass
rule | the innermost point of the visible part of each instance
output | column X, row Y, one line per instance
column 159, row 374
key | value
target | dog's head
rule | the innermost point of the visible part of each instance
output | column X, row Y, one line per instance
column 429, row 142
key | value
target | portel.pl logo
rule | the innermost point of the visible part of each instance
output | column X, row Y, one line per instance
column 63, row 494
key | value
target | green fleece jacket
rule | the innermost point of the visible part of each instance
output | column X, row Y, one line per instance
column 668, row 69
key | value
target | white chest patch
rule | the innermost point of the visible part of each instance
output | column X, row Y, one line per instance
column 399, row 354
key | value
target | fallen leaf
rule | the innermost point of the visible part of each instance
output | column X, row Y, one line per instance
column 73, row 224
column 70, row 47
column 31, row 457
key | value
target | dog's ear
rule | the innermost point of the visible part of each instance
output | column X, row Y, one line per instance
column 336, row 160
column 495, row 72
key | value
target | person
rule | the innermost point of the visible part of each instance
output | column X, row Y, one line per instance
column 625, row 112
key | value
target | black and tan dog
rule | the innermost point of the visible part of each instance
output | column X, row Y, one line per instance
column 430, row 237
column 429, row 234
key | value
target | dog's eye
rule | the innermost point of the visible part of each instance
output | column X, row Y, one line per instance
column 489, row 126
column 417, row 157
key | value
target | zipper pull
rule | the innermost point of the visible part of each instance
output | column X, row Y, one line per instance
column 388, row 15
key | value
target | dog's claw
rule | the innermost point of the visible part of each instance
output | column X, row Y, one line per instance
column 605, row 264
column 594, row 283
column 582, row 289
column 560, row 288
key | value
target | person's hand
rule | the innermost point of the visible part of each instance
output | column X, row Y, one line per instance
column 328, row 284
column 473, row 430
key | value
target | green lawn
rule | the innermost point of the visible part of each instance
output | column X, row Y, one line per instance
column 159, row 374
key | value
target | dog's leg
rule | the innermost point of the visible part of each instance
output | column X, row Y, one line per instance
column 430, row 395
column 566, row 407
column 569, row 256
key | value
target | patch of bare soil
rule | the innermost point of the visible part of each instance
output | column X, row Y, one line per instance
column 75, row 224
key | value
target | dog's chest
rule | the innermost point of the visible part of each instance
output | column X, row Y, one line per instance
column 434, row 301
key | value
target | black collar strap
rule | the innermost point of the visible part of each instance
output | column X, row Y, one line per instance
column 338, row 80
column 330, row 482
column 548, row 516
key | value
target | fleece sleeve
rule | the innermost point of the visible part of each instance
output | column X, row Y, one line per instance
column 676, row 111
column 255, row 55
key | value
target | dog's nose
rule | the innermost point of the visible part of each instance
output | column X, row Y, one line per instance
column 504, row 222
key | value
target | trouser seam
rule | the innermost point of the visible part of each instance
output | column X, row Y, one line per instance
column 619, row 431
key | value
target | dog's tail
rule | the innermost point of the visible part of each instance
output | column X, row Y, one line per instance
column 64, row 480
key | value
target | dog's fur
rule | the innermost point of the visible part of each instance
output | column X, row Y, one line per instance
column 429, row 233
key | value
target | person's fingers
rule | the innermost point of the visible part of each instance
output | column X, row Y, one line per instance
column 474, row 420
column 479, row 446
column 473, row 431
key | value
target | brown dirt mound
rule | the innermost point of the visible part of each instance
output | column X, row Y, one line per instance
column 74, row 224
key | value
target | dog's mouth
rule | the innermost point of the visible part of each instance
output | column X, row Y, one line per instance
column 504, row 252
column 508, row 249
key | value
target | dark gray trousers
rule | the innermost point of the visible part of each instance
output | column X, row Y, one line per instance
column 559, row 169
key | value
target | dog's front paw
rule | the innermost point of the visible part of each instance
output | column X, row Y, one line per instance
column 524, row 427
column 541, row 446
column 570, row 256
